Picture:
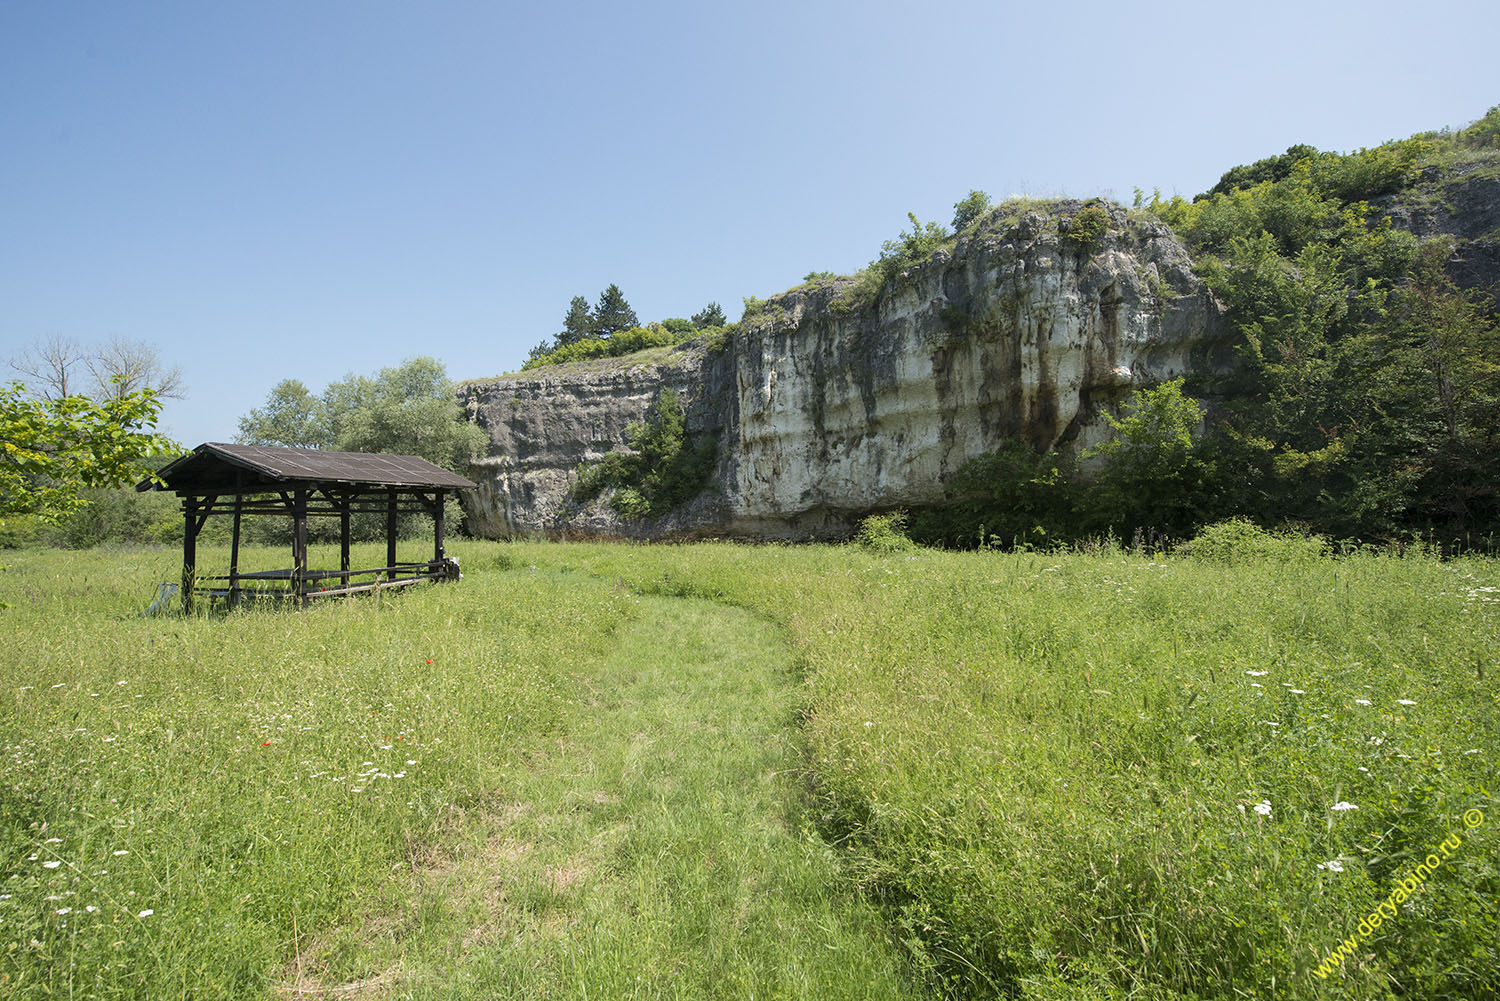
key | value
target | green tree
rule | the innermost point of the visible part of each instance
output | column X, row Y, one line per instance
column 578, row 324
column 965, row 212
column 53, row 449
column 292, row 416
column 1152, row 473
column 711, row 315
column 613, row 313
column 410, row 409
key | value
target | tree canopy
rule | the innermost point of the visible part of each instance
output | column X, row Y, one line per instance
column 409, row 409
column 55, row 448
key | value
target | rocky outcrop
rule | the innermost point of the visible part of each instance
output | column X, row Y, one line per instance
column 1463, row 204
column 825, row 407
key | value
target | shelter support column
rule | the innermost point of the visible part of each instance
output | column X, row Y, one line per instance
column 299, row 548
column 189, row 552
column 344, row 541
column 390, row 530
column 234, row 553
column 437, row 526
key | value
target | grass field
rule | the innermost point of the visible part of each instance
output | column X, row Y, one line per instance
column 732, row 771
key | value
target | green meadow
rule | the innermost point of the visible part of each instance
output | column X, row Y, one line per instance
column 724, row 771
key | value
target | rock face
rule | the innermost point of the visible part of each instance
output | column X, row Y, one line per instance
column 825, row 407
column 1462, row 203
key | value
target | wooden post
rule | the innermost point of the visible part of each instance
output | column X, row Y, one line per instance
column 344, row 541
column 437, row 527
column 189, row 552
column 299, row 548
column 390, row 531
column 234, row 553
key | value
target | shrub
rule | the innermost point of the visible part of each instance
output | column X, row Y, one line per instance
column 623, row 343
column 1011, row 497
column 1240, row 540
column 1086, row 229
column 968, row 211
column 885, row 533
column 665, row 470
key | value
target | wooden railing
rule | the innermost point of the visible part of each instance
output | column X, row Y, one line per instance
column 288, row 584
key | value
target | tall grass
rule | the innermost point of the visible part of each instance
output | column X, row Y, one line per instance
column 1048, row 767
column 1055, row 776
column 183, row 797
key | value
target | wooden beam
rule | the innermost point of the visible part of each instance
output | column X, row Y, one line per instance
column 437, row 527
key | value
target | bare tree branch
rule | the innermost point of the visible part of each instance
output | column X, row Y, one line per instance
column 122, row 367
column 53, row 367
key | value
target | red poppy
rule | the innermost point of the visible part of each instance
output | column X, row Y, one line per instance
column 266, row 744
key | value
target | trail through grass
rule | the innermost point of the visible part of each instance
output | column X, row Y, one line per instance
column 657, row 850
column 736, row 771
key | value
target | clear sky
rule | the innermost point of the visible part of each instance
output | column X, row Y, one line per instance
column 267, row 190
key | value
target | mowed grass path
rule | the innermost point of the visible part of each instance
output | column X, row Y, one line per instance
column 532, row 784
column 657, row 850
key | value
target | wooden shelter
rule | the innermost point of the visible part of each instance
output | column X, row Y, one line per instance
column 305, row 483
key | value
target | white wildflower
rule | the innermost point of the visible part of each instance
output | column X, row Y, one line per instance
column 122, row 851
column 1263, row 808
column 51, row 865
column 146, row 913
column 1343, row 805
column 1257, row 674
column 1298, row 691
column 1405, row 702
column 1362, row 702
column 1332, row 865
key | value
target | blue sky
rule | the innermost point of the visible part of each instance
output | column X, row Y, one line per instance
column 270, row 190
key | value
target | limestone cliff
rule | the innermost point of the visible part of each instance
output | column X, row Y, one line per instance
column 825, row 407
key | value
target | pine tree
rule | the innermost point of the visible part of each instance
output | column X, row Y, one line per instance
column 613, row 314
column 578, row 324
column 711, row 315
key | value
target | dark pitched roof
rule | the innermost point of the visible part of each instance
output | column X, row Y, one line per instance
column 215, row 466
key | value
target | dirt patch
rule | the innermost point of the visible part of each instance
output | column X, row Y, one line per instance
column 307, row 985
